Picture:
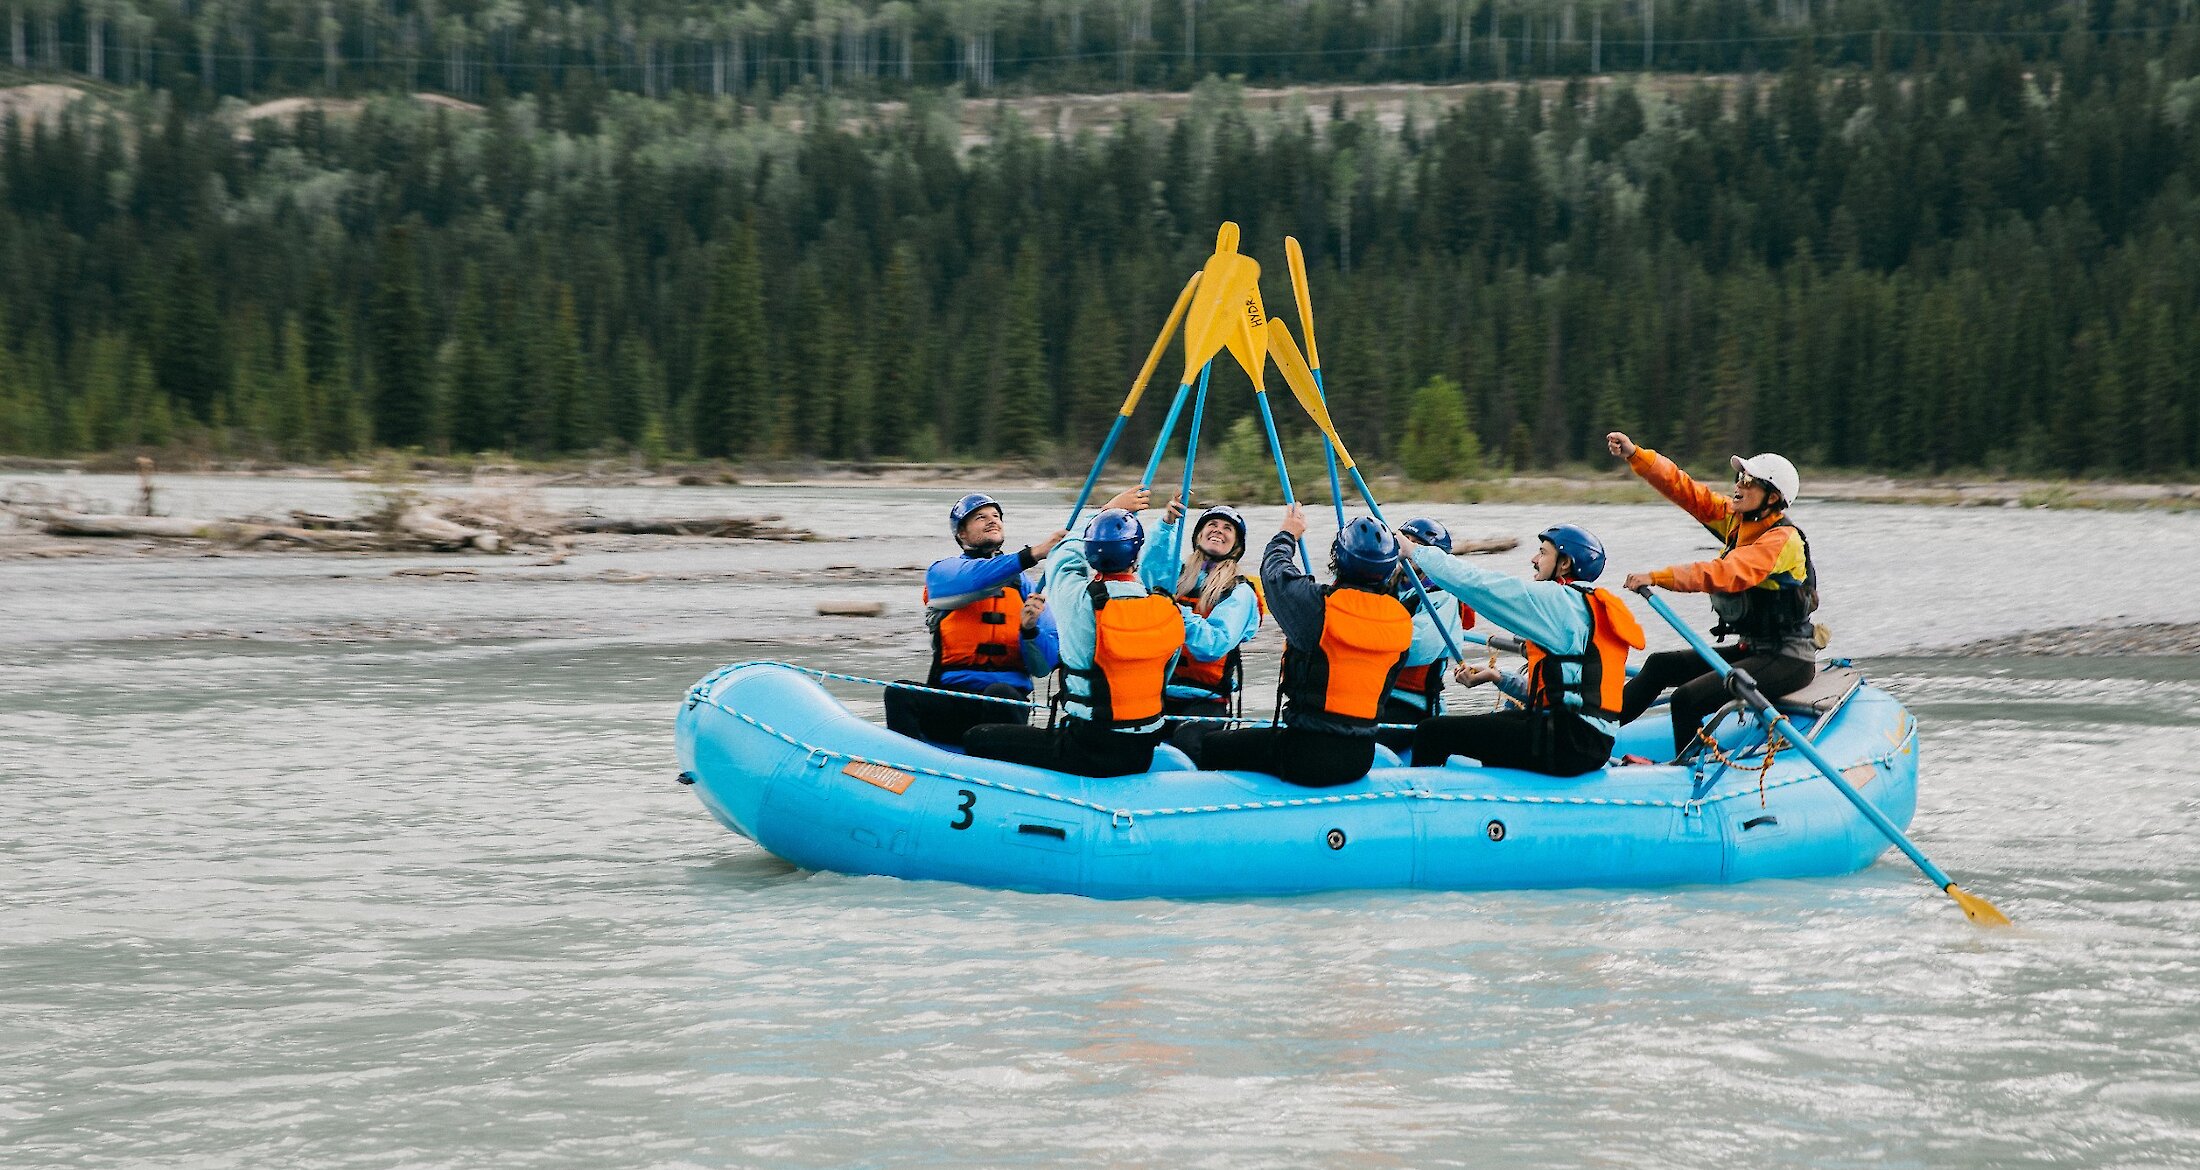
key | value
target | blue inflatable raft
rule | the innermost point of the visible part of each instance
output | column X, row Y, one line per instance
column 780, row 761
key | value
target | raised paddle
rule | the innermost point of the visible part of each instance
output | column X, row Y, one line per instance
column 1209, row 325
column 1301, row 380
column 1743, row 687
column 1191, row 456
column 1305, row 300
column 1130, row 401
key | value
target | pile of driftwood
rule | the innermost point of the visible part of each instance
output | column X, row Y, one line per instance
column 402, row 522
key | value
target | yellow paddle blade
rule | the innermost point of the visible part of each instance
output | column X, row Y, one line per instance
column 1216, row 307
column 1977, row 909
column 1226, row 237
column 1248, row 341
column 1297, row 258
column 1153, row 356
column 1286, row 354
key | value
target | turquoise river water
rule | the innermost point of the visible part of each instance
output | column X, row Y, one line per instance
column 308, row 865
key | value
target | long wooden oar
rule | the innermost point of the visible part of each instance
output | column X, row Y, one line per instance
column 1130, row 401
column 1305, row 300
column 1739, row 683
column 1301, row 380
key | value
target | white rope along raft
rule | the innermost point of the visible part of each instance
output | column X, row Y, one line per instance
column 701, row 694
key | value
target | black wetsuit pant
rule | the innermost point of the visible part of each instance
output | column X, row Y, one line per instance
column 944, row 718
column 1188, row 736
column 1561, row 744
column 1074, row 746
column 1397, row 710
column 1699, row 692
column 1311, row 759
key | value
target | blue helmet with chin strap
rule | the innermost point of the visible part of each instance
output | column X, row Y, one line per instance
column 1428, row 532
column 1579, row 545
column 1364, row 552
column 1113, row 539
column 968, row 506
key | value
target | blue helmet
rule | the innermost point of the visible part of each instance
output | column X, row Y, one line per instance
column 967, row 505
column 1428, row 532
column 1113, row 539
column 1579, row 546
column 1364, row 552
column 1229, row 515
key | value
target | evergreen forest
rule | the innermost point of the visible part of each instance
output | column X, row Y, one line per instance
column 1842, row 238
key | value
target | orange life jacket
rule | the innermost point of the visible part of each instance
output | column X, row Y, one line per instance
column 1613, row 631
column 1365, row 635
column 986, row 634
column 1133, row 640
column 1222, row 676
column 1427, row 679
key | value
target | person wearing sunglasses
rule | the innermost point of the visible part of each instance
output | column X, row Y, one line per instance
column 1763, row 587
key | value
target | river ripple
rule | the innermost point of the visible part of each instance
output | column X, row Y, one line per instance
column 306, row 865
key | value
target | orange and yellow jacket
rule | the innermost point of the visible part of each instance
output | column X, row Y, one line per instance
column 1761, row 554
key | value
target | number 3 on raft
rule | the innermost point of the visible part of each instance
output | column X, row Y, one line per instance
column 969, row 802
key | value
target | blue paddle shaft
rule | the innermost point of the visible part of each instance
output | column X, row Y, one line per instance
column 1168, row 427
column 1191, row 456
column 1283, row 473
column 1419, row 589
column 1329, row 449
column 1772, row 718
column 1107, row 448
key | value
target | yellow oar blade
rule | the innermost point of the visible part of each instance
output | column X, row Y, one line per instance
column 1977, row 909
column 1153, row 356
column 1215, row 307
column 1248, row 341
column 1301, row 380
column 1297, row 259
column 1226, row 237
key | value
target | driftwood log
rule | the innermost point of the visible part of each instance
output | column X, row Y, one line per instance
column 407, row 524
column 724, row 527
column 1495, row 544
column 235, row 533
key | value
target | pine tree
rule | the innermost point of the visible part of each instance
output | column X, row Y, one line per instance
column 473, row 375
column 572, row 385
column 291, row 419
column 187, row 338
column 403, row 407
column 898, row 347
column 732, row 398
column 1094, row 374
column 1020, row 414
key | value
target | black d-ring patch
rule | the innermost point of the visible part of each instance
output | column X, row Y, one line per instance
column 1496, row 830
column 1336, row 838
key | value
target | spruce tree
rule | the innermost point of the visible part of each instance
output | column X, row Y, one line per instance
column 1095, row 376
column 898, row 347
column 187, row 338
column 1020, row 415
column 732, row 399
column 573, row 386
column 474, row 377
column 398, row 333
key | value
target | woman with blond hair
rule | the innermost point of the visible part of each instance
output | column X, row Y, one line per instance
column 1211, row 584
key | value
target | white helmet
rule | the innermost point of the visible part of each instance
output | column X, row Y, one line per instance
column 1772, row 469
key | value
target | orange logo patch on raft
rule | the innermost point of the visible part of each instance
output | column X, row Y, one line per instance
column 893, row 780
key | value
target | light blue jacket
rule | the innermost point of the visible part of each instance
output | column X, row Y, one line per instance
column 1551, row 615
column 1068, row 575
column 1235, row 620
column 1428, row 645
